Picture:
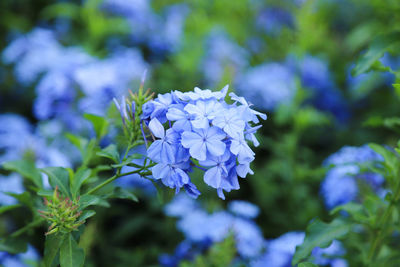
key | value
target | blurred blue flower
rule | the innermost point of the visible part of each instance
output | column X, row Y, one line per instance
column 31, row 256
column 203, row 229
column 161, row 33
column 340, row 184
column 10, row 184
column 315, row 75
column 273, row 19
column 222, row 56
column 280, row 251
column 267, row 85
column 244, row 209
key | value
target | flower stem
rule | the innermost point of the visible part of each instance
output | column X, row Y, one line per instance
column 380, row 234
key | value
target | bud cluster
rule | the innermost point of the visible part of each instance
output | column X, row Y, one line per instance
column 62, row 214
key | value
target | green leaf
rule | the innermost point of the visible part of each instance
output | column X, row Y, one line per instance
column 68, row 10
column 79, row 178
column 320, row 234
column 7, row 208
column 375, row 51
column 396, row 87
column 391, row 161
column 58, row 176
column 307, row 264
column 77, row 141
column 24, row 198
column 124, row 194
column 355, row 210
column 99, row 123
column 51, row 248
column 70, row 254
column 13, row 245
column 110, row 152
column 25, row 168
column 87, row 214
column 91, row 200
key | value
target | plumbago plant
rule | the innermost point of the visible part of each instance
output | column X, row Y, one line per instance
column 368, row 224
column 182, row 131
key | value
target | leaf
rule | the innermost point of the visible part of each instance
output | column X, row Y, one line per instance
column 58, row 176
column 68, row 10
column 355, row 210
column 307, row 264
column 77, row 141
column 391, row 161
column 87, row 214
column 124, row 194
column 320, row 234
column 51, row 247
column 7, row 208
column 99, row 123
column 70, row 254
column 396, row 87
column 79, row 178
column 24, row 198
column 375, row 51
column 91, row 200
column 13, row 245
column 110, row 152
column 26, row 169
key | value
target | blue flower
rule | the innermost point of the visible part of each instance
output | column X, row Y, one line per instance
column 203, row 128
column 10, row 184
column 201, row 228
column 201, row 141
column 19, row 260
column 267, row 85
column 223, row 55
column 340, row 184
column 162, row 150
column 272, row 20
column 244, row 209
column 280, row 251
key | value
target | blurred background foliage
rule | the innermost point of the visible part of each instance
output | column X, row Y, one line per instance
column 292, row 59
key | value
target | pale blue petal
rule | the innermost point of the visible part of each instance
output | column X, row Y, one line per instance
column 156, row 128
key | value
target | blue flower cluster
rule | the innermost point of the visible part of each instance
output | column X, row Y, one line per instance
column 340, row 184
column 161, row 33
column 280, row 251
column 272, row 84
column 67, row 80
column 202, row 129
column 268, row 85
column 223, row 56
column 202, row 229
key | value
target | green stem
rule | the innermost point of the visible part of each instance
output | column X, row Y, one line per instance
column 27, row 227
column 113, row 178
column 379, row 235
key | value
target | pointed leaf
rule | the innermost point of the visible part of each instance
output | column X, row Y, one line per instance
column 320, row 234
column 99, row 123
column 110, row 152
column 70, row 254
column 91, row 200
column 58, row 176
column 124, row 194
column 51, row 248
column 79, row 178
column 307, row 264
column 375, row 51
column 27, row 169
column 7, row 208
column 87, row 214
